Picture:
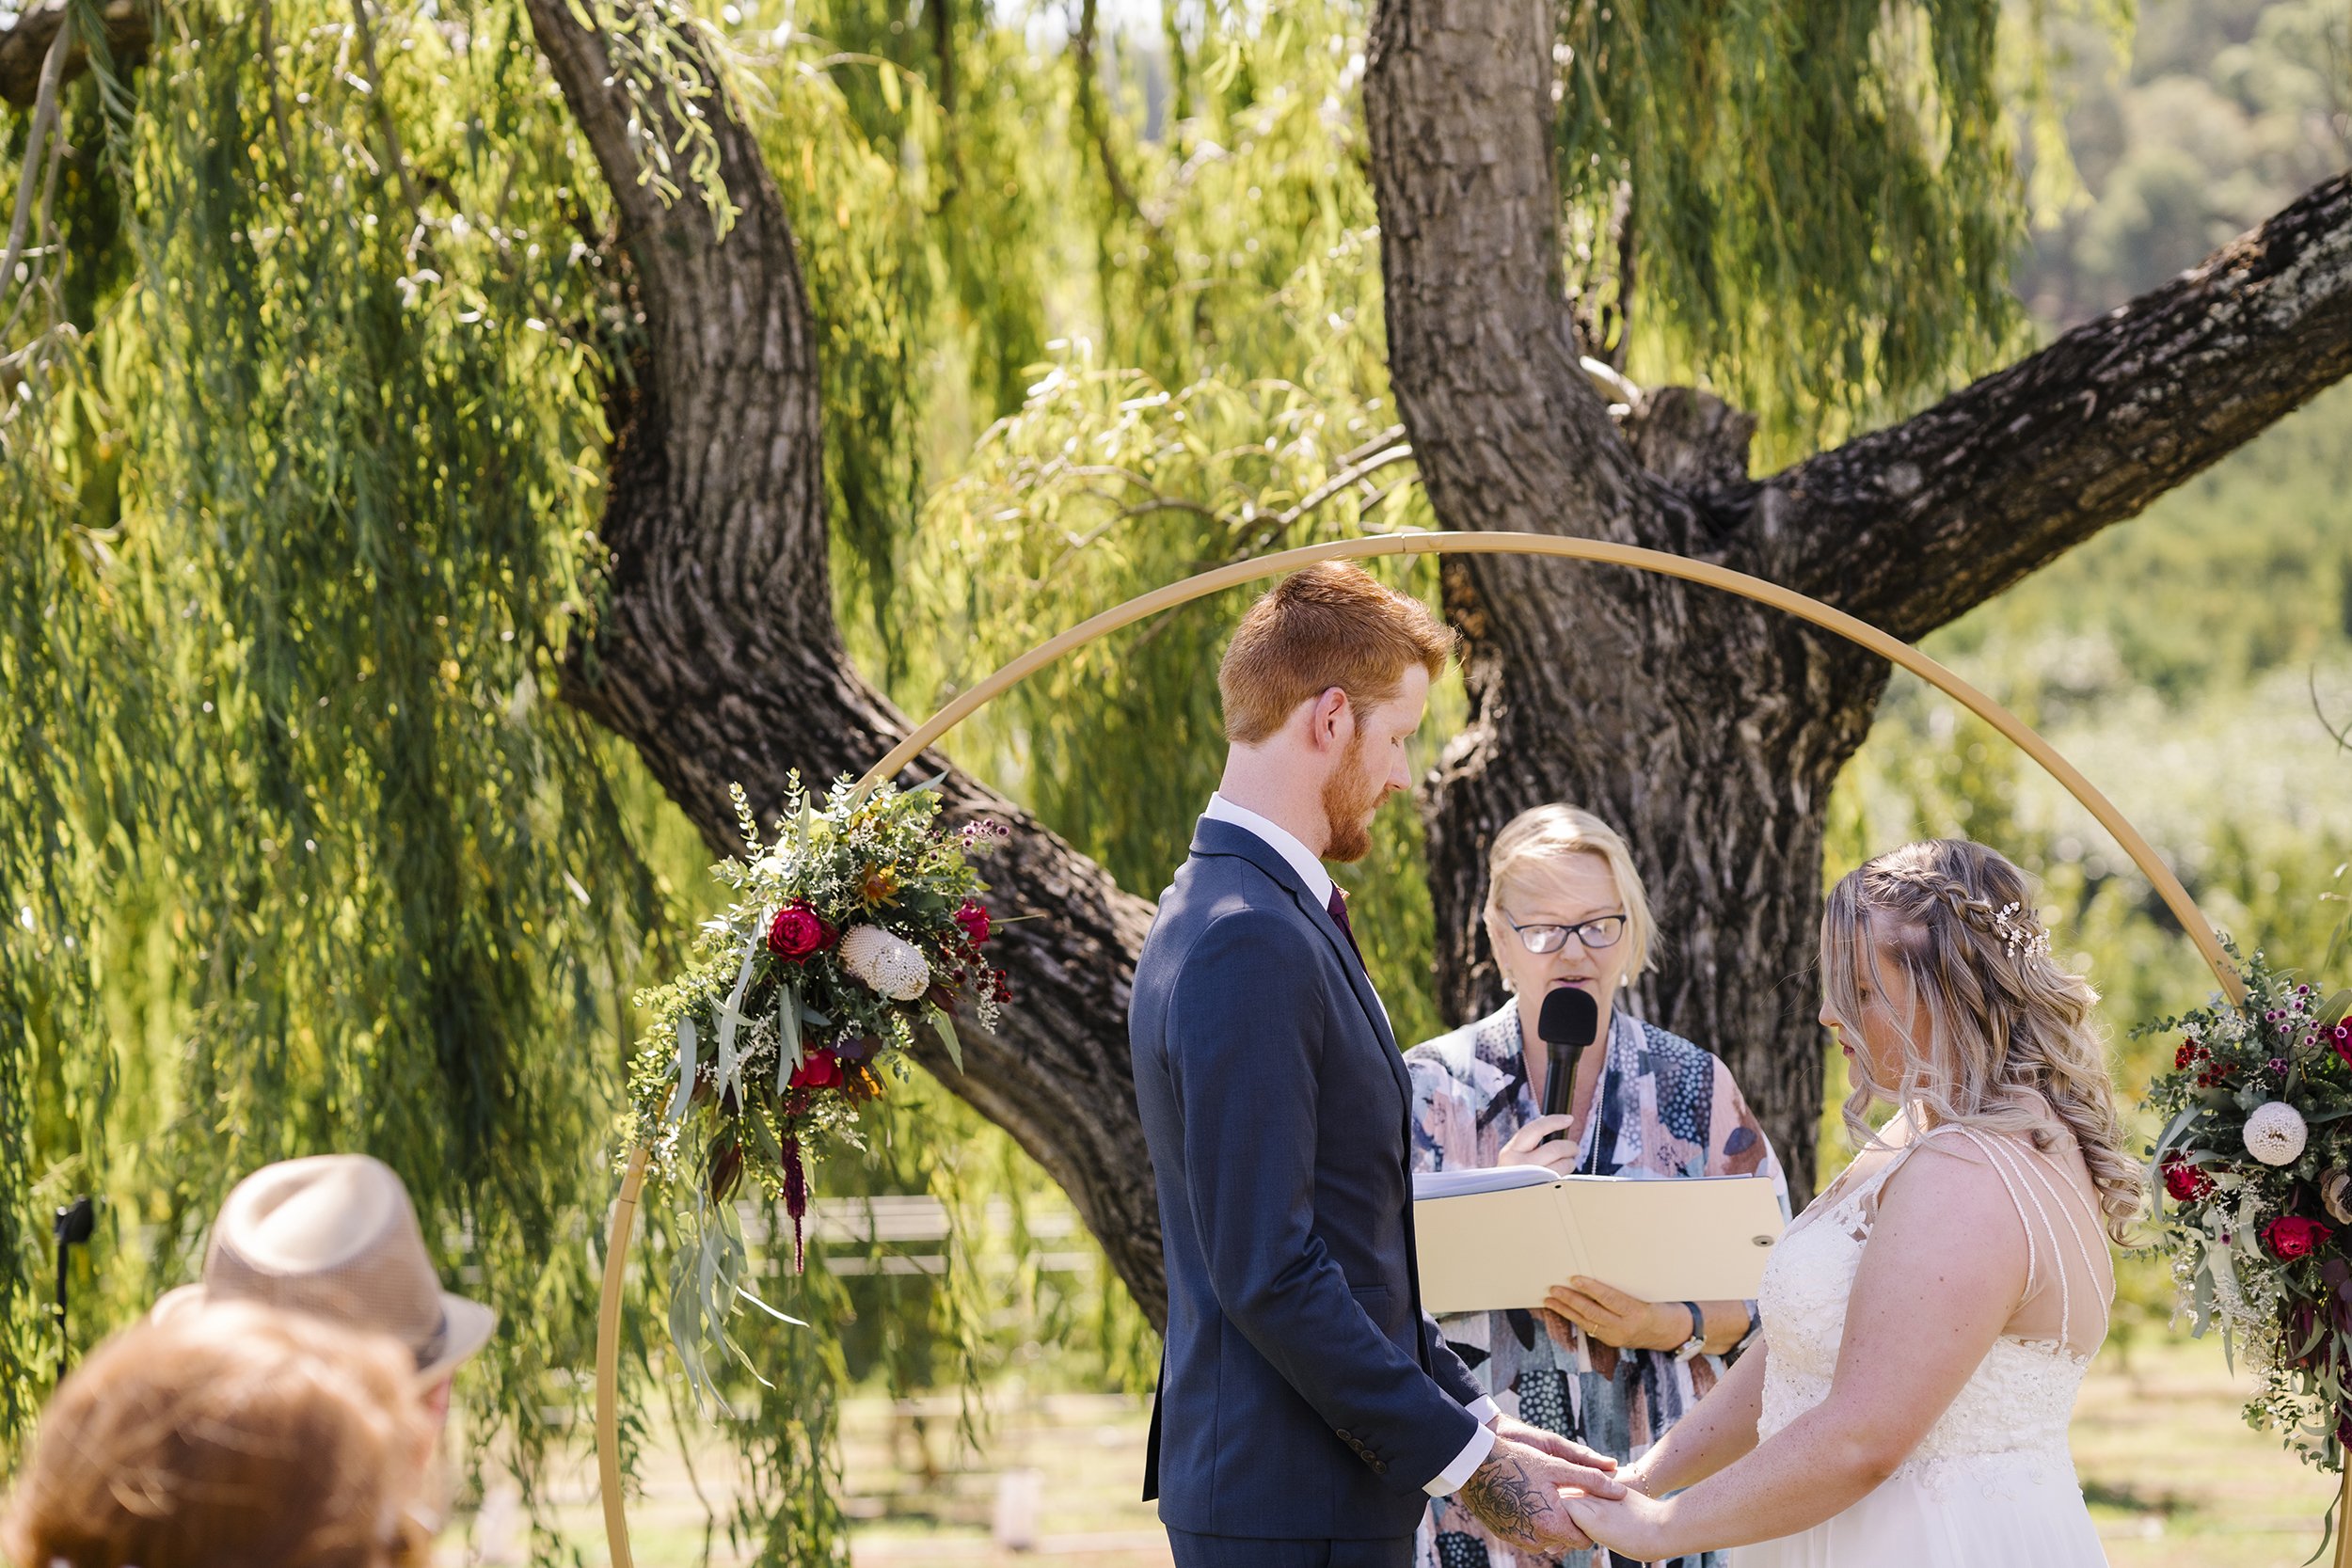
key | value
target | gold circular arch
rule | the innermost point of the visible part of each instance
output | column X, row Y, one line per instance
column 1662, row 563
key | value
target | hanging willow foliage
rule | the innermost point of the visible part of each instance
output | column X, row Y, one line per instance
column 312, row 860
column 1816, row 205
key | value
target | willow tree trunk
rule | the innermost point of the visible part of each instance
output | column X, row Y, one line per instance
column 1708, row 729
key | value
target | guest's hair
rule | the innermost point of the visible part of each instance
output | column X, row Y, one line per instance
column 234, row 1434
column 1328, row 625
column 1538, row 838
column 2011, row 1045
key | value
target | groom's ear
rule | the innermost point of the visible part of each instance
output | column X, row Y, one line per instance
column 1332, row 719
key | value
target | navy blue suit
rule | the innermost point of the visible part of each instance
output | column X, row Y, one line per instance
column 1305, row 1395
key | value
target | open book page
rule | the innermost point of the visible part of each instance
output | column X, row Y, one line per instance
column 1697, row 1238
column 1493, row 1179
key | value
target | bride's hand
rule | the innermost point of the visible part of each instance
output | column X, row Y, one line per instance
column 1527, row 1146
column 1632, row 1526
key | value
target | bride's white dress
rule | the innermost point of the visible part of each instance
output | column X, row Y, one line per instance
column 1993, row 1483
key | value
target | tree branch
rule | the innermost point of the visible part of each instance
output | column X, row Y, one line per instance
column 23, row 47
column 717, row 658
column 1911, row 526
column 44, row 119
column 1097, row 115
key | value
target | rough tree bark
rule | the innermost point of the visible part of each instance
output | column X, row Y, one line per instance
column 718, row 656
column 128, row 33
column 1710, row 730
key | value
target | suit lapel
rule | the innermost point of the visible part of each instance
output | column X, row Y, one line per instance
column 1213, row 837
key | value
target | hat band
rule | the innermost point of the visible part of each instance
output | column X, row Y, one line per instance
column 430, row 1351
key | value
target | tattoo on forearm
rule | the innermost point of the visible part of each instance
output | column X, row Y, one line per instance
column 1504, row 1497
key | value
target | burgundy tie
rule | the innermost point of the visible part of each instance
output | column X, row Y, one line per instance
column 1338, row 906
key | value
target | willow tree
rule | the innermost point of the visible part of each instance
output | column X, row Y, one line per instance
column 416, row 412
column 1870, row 239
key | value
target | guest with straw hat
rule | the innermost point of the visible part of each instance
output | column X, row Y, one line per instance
column 336, row 1236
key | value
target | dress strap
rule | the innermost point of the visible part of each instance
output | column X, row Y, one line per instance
column 2031, row 1186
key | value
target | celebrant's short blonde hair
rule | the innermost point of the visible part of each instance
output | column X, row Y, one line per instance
column 1532, row 843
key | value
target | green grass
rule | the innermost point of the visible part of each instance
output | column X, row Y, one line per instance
column 2175, row 1479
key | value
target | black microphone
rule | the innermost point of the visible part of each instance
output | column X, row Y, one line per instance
column 1569, row 1020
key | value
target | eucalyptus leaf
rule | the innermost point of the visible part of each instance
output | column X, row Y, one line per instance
column 685, row 1069
column 947, row 1030
column 787, row 1034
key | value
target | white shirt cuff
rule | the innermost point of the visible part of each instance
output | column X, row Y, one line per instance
column 1466, row 1463
column 1484, row 1409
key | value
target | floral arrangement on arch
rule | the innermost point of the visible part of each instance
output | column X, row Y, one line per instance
column 860, row 924
column 2255, row 1171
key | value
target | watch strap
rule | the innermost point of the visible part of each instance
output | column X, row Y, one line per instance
column 1698, row 1341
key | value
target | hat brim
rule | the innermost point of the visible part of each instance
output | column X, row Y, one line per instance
column 470, row 1326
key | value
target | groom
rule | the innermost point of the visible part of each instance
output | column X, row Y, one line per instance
column 1307, row 1407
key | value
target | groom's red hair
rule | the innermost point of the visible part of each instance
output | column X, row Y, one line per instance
column 1330, row 624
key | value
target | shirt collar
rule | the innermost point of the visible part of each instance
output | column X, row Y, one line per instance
column 1278, row 839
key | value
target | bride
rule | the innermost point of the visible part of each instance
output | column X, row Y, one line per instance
column 1928, row 1320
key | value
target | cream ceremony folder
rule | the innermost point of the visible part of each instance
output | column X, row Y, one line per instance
column 1500, row 1238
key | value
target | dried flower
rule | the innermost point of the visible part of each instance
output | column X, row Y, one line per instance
column 2276, row 1133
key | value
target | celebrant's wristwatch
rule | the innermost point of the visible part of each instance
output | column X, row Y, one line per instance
column 1698, row 1341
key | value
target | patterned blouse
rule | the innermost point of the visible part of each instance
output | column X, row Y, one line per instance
column 1664, row 1108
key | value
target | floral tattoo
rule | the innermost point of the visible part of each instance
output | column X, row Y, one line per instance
column 1506, row 1499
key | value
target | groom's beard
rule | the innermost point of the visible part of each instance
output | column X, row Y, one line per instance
column 1350, row 796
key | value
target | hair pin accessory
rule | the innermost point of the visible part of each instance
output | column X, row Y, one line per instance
column 2020, row 932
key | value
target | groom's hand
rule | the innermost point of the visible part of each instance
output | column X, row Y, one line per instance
column 1517, row 1431
column 1517, row 1495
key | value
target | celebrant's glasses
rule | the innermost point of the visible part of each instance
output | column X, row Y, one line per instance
column 1597, row 933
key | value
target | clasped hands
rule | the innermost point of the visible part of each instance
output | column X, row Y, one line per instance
column 1523, row 1490
column 1541, row 1493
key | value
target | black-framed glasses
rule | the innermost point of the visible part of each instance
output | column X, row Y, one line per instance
column 1602, row 930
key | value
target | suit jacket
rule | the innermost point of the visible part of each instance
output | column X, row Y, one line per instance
column 1304, row 1392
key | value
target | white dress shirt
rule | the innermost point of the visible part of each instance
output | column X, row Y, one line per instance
column 1318, row 881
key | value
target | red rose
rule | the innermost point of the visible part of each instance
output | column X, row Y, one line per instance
column 2185, row 1182
column 2292, row 1236
column 2340, row 1037
column 974, row 920
column 798, row 932
column 820, row 1070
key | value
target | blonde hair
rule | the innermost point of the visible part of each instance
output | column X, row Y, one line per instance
column 1540, row 835
column 2011, row 1045
column 1329, row 625
column 233, row 1433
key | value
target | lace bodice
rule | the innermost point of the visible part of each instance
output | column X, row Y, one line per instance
column 2011, row 1417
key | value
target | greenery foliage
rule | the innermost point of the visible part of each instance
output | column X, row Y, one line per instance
column 2252, row 1160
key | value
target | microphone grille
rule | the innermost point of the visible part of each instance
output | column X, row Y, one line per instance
column 1570, row 1017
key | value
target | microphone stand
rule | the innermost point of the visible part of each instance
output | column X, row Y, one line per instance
column 73, row 1225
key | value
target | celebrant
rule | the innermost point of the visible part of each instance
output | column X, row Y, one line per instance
column 1565, row 907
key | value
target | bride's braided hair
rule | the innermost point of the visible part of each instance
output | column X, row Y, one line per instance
column 2011, row 1044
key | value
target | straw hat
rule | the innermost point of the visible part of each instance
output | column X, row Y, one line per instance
column 336, row 1235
